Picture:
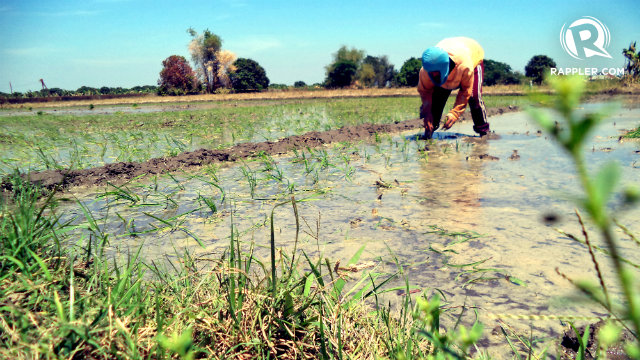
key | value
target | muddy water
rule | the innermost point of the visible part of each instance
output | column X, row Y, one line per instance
column 460, row 215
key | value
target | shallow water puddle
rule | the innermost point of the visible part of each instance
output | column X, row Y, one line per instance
column 461, row 215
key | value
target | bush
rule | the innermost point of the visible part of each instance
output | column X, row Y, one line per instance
column 342, row 74
column 249, row 76
column 499, row 73
column 537, row 67
column 409, row 74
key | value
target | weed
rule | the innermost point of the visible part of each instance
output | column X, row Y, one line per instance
column 571, row 135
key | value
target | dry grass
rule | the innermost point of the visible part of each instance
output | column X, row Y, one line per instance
column 268, row 95
column 628, row 88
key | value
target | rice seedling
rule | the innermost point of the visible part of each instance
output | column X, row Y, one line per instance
column 251, row 177
column 140, row 136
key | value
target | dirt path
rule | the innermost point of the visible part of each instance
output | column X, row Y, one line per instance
column 122, row 171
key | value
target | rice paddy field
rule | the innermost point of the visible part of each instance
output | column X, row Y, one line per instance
column 389, row 246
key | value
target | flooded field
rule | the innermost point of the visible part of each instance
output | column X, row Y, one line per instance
column 472, row 219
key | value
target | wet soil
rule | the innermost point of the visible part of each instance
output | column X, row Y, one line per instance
column 570, row 345
column 122, row 171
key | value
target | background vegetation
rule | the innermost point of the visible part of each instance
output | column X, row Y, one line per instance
column 215, row 70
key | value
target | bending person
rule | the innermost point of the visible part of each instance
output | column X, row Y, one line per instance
column 454, row 63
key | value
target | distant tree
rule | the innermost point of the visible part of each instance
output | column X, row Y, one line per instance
column 299, row 84
column 376, row 72
column 496, row 72
column 345, row 54
column 54, row 92
column 409, row 72
column 343, row 74
column 537, row 67
column 367, row 75
column 633, row 61
column 226, row 60
column 248, row 76
column 105, row 90
column 144, row 89
column 176, row 76
column 86, row 90
column 341, row 57
column 204, row 49
column 278, row 86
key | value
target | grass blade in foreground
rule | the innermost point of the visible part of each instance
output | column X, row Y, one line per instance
column 572, row 134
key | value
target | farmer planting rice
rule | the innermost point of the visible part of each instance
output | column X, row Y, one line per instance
column 454, row 63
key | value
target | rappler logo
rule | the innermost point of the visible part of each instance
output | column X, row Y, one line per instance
column 585, row 37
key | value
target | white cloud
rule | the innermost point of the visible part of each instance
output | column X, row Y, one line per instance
column 253, row 45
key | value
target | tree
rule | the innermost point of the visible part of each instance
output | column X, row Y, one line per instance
column 343, row 74
column 409, row 74
column 226, row 60
column 633, row 61
column 144, row 89
column 248, row 76
column 342, row 58
column 86, row 90
column 344, row 54
column 376, row 71
column 299, row 84
column 538, row 66
column 54, row 92
column 204, row 49
column 496, row 72
column 176, row 76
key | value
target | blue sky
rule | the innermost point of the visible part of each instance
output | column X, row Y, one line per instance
column 71, row 43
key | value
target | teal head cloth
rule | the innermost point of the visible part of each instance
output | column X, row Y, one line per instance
column 436, row 59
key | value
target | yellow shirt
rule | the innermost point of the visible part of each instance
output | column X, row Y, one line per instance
column 466, row 53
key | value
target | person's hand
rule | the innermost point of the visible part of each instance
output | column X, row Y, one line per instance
column 449, row 121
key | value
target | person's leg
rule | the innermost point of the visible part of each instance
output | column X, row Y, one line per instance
column 476, row 105
column 439, row 100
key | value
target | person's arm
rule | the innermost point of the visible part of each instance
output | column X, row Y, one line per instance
column 462, row 99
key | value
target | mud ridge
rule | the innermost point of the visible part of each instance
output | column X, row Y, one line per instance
column 123, row 171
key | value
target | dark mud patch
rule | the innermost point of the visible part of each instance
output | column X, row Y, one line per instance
column 123, row 171
column 570, row 344
column 485, row 157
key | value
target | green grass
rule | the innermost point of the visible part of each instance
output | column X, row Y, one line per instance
column 75, row 302
column 635, row 134
column 48, row 141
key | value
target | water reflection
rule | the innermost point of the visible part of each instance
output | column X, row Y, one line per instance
column 457, row 214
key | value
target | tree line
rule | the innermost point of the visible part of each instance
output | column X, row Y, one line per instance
column 216, row 70
column 82, row 91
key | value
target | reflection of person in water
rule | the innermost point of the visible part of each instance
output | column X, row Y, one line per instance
column 454, row 63
column 452, row 186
